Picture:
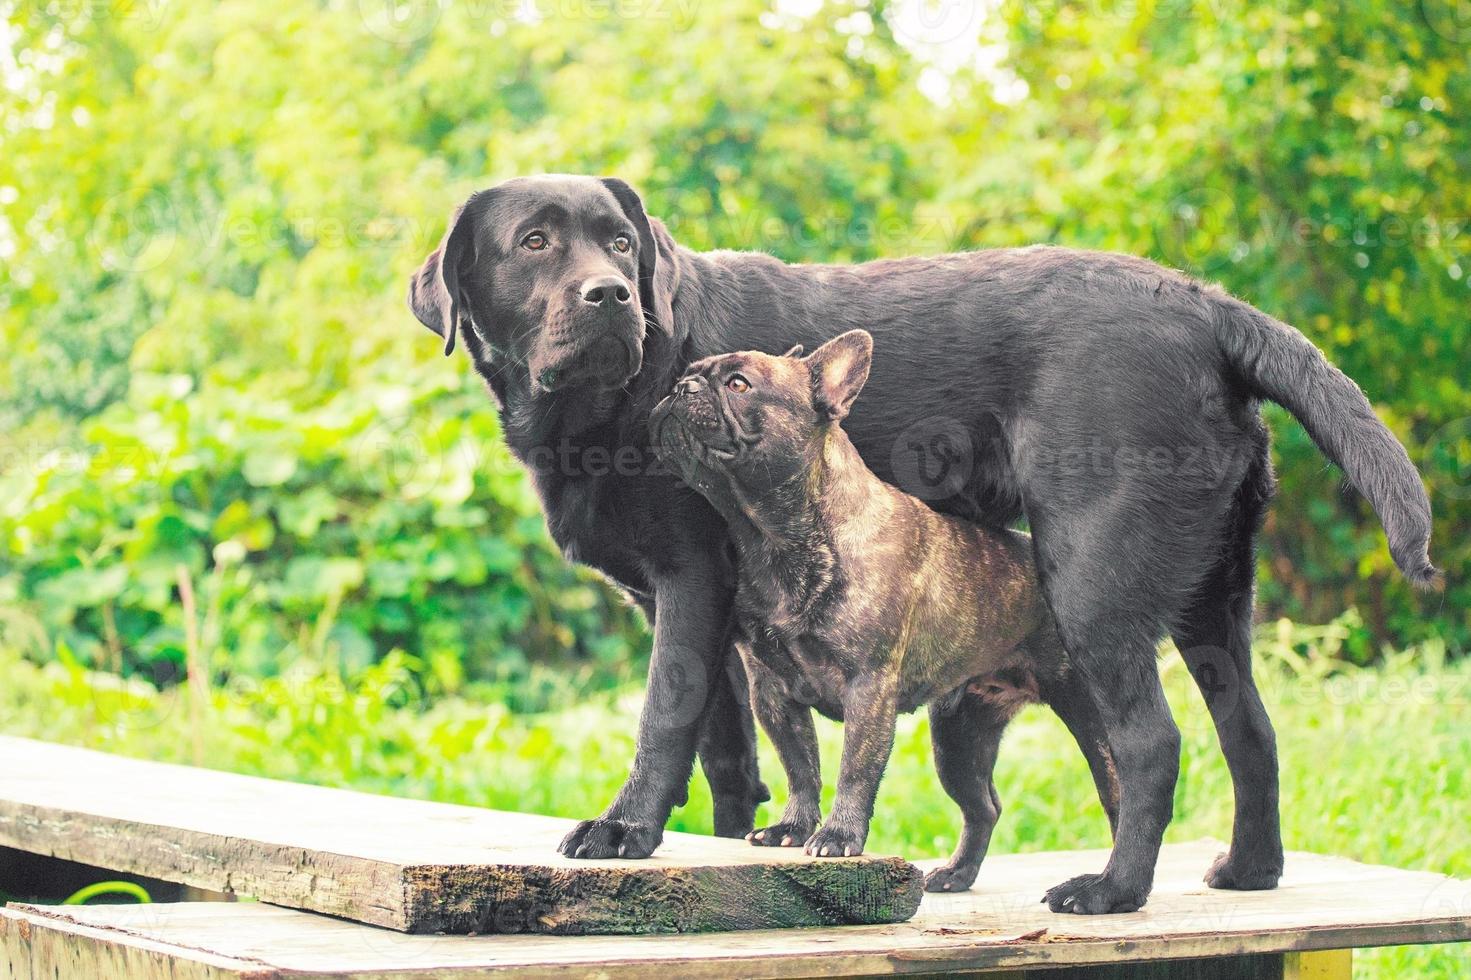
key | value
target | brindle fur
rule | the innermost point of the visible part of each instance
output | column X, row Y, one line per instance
column 855, row 598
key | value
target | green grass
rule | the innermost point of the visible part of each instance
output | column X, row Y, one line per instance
column 1373, row 762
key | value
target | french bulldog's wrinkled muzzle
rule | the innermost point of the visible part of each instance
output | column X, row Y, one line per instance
column 694, row 426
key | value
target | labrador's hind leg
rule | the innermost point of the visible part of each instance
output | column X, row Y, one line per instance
column 1214, row 637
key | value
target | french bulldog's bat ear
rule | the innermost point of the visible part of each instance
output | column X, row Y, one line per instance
column 657, row 276
column 435, row 294
column 794, row 352
column 839, row 369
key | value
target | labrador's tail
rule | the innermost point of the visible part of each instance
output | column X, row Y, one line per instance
column 1279, row 364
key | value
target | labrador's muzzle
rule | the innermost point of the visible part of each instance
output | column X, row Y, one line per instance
column 597, row 338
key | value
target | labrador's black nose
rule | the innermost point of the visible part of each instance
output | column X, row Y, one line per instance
column 606, row 291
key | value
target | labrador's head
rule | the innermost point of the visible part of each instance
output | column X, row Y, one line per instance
column 558, row 274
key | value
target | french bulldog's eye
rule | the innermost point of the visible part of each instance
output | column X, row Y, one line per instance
column 738, row 384
column 534, row 242
column 622, row 244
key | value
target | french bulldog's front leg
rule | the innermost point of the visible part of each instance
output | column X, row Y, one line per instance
column 869, row 709
column 788, row 723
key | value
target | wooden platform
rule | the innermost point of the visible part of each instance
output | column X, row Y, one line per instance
column 1323, row 904
column 412, row 865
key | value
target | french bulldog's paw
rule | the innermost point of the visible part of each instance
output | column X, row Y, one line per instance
column 784, row 834
column 951, row 878
column 836, row 840
column 606, row 838
column 1241, row 875
column 1095, row 895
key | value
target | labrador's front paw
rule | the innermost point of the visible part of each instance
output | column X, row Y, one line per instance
column 606, row 838
column 1096, row 895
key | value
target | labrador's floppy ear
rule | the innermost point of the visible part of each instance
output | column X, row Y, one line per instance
column 435, row 295
column 839, row 369
column 656, row 273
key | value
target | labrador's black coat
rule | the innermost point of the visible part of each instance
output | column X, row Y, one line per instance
column 1111, row 402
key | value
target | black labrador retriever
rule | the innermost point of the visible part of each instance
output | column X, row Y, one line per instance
column 1111, row 402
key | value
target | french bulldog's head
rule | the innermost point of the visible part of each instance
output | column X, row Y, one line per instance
column 756, row 419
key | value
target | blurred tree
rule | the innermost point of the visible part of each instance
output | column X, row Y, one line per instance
column 208, row 212
column 1314, row 163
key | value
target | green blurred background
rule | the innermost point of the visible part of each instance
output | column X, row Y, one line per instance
column 229, row 454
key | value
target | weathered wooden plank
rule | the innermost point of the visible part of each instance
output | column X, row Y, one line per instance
column 412, row 865
column 1323, row 904
column 31, row 950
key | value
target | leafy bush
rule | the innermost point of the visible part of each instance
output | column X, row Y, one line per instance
column 208, row 212
column 1314, row 163
column 330, row 532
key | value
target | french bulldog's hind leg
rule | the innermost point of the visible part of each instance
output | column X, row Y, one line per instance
column 965, row 731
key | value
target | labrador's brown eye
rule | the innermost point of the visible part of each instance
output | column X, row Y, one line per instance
column 534, row 242
column 738, row 384
column 622, row 244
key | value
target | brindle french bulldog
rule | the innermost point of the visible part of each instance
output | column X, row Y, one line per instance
column 856, row 598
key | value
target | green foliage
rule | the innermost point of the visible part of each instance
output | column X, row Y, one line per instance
column 1315, row 163
column 1347, row 785
column 208, row 213
column 328, row 532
